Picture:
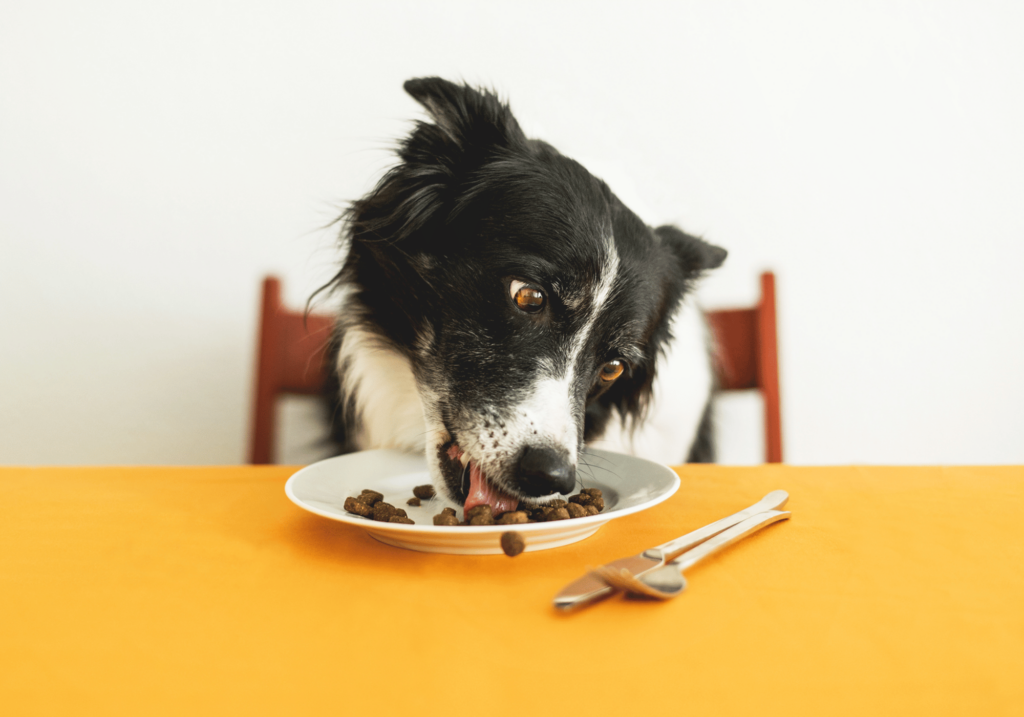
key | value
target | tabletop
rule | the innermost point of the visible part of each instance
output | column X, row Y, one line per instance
column 204, row 590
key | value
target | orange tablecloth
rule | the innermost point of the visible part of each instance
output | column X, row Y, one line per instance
column 179, row 591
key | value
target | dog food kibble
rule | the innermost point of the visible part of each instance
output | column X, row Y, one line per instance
column 596, row 497
column 480, row 515
column 358, row 507
column 512, row 543
column 383, row 511
column 423, row 492
column 513, row 517
column 370, row 497
column 370, row 504
column 589, row 496
column 576, row 510
column 556, row 514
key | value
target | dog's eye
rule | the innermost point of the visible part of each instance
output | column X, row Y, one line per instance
column 612, row 370
column 527, row 298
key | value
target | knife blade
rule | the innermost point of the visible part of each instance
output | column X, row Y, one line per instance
column 590, row 588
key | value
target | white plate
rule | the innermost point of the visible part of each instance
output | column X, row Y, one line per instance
column 628, row 484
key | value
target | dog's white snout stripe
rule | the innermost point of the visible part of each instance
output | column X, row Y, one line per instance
column 547, row 417
column 550, row 413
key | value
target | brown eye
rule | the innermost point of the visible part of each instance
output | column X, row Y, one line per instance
column 612, row 370
column 527, row 298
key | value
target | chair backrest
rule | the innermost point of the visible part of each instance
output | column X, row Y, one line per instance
column 746, row 356
column 292, row 359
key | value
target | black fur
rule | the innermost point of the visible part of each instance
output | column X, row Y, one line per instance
column 473, row 204
column 703, row 448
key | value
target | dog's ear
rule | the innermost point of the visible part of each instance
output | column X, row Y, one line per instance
column 470, row 127
column 475, row 121
column 695, row 254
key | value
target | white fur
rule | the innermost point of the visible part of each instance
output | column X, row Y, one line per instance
column 379, row 381
column 491, row 438
column 605, row 286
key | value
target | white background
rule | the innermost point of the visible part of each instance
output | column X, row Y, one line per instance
column 157, row 160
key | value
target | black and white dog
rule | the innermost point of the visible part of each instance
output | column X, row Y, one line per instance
column 501, row 307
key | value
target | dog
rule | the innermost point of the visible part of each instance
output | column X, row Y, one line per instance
column 501, row 309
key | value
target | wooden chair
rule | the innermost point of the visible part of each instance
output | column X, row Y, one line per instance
column 747, row 357
column 291, row 360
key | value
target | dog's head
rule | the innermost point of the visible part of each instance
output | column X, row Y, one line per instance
column 529, row 300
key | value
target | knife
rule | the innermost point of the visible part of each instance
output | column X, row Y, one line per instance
column 591, row 588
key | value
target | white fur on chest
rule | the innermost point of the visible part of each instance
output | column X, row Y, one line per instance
column 379, row 383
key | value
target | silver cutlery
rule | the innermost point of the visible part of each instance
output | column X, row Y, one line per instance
column 591, row 588
column 668, row 581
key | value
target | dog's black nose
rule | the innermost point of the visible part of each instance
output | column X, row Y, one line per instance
column 543, row 471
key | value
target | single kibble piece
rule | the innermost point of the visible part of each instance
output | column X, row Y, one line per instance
column 358, row 507
column 535, row 512
column 423, row 492
column 481, row 515
column 401, row 519
column 512, row 543
column 513, row 517
column 580, row 499
column 576, row 510
column 448, row 511
column 591, row 509
column 413, row 501
column 383, row 511
column 479, row 510
column 371, row 497
column 445, row 519
column 557, row 514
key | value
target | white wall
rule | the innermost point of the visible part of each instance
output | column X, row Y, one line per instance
column 155, row 162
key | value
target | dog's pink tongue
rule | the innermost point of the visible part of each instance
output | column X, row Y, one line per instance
column 482, row 492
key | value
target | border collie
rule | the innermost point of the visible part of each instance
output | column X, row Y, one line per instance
column 500, row 308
